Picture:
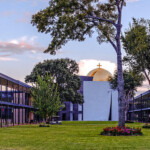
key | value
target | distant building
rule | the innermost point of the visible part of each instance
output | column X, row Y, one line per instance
column 139, row 108
column 15, row 102
column 74, row 112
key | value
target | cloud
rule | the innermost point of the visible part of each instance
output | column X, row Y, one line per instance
column 86, row 65
column 25, row 18
column 126, row 0
column 19, row 46
column 32, row 0
column 133, row 0
column 8, row 59
column 7, row 13
column 145, row 87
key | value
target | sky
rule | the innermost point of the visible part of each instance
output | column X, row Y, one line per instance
column 22, row 46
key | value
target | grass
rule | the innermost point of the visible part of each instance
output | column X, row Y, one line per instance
column 70, row 136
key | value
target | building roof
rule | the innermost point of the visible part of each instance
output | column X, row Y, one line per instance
column 86, row 78
column 15, row 105
column 14, row 81
column 143, row 94
column 99, row 74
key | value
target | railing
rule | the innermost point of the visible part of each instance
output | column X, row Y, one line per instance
column 139, row 104
column 139, row 109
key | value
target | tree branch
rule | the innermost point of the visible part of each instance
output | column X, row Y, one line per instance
column 122, row 4
column 101, row 19
column 114, row 46
column 95, row 23
column 117, row 3
column 147, row 77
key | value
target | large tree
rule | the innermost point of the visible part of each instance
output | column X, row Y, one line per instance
column 132, row 80
column 67, row 20
column 136, row 43
column 64, row 72
column 45, row 97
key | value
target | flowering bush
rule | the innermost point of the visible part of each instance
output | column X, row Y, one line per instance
column 118, row 131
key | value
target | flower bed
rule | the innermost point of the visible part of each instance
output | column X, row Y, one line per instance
column 121, row 131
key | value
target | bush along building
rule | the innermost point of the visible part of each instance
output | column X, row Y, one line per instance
column 15, row 102
column 139, row 108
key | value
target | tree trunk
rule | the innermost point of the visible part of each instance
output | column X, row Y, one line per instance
column 121, row 100
column 146, row 75
column 44, row 120
column 127, row 99
column 126, row 113
column 120, row 80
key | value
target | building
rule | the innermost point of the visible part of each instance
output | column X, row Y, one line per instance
column 139, row 108
column 15, row 102
column 74, row 112
column 100, row 102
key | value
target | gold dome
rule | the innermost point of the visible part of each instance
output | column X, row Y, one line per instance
column 99, row 74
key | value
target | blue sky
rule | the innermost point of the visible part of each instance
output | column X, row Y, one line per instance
column 21, row 45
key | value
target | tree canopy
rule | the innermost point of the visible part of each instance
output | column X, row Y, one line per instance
column 64, row 72
column 75, row 19
column 132, row 82
column 45, row 97
column 136, row 43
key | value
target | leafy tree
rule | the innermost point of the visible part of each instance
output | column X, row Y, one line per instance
column 46, row 97
column 136, row 43
column 67, row 20
column 132, row 81
column 64, row 72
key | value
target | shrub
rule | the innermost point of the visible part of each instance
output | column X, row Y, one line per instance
column 121, row 131
column 129, row 121
column 41, row 125
column 146, row 125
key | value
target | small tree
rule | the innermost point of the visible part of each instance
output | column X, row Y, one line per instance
column 45, row 97
column 132, row 81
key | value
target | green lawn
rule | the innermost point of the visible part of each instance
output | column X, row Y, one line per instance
column 70, row 136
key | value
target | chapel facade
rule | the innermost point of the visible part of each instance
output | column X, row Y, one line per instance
column 100, row 101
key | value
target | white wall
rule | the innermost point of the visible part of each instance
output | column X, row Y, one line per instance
column 97, row 97
column 79, row 117
column 71, row 116
column 71, row 106
column 79, row 107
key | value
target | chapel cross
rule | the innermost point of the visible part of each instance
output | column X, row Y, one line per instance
column 99, row 65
